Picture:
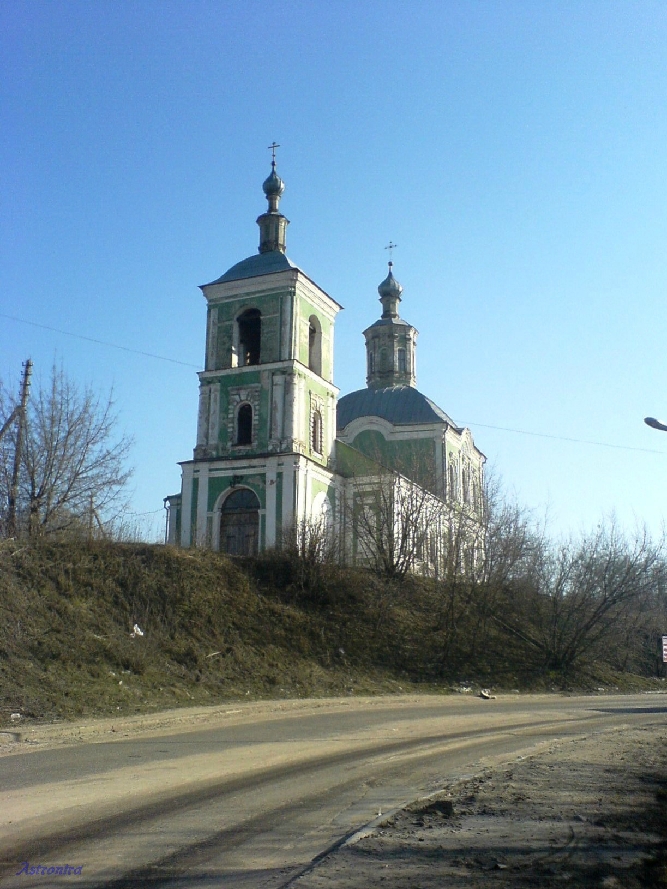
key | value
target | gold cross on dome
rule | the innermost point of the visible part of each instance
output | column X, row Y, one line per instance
column 272, row 149
column 390, row 247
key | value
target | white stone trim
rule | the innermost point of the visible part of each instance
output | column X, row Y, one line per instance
column 238, row 396
column 203, row 414
column 288, row 492
column 439, row 452
column 395, row 433
column 290, row 365
column 318, row 298
column 307, row 492
column 292, row 279
column 330, row 422
column 301, row 483
column 271, row 500
column 298, row 431
column 214, row 414
column 202, row 505
column 277, row 408
column 317, row 406
column 186, row 504
column 286, row 308
column 212, row 337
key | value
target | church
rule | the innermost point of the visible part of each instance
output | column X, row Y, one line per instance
column 276, row 447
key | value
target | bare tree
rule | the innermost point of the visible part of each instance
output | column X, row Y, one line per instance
column 485, row 557
column 396, row 519
column 311, row 548
column 395, row 523
column 73, row 471
column 572, row 603
column 591, row 587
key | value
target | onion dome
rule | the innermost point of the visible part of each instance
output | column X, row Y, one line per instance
column 390, row 286
column 390, row 295
column 272, row 224
column 273, row 185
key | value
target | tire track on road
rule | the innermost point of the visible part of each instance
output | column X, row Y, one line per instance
column 172, row 866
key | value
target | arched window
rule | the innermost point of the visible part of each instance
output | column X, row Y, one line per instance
column 239, row 523
column 244, row 425
column 453, row 487
column 402, row 364
column 466, row 483
column 315, row 345
column 316, row 432
column 384, row 364
column 249, row 327
column 371, row 362
column 475, row 491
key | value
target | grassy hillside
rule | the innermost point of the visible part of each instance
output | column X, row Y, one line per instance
column 67, row 611
column 213, row 630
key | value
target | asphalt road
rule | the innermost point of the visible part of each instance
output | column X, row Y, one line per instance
column 252, row 796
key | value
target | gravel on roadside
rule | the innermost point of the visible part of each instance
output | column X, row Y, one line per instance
column 590, row 812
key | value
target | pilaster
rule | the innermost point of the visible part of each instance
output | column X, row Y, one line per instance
column 271, row 479
column 202, row 505
column 186, row 513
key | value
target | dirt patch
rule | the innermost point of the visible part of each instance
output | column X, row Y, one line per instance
column 584, row 813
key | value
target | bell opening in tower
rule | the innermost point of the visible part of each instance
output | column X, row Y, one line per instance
column 315, row 345
column 250, row 337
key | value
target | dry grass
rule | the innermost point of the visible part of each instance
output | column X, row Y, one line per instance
column 213, row 630
column 67, row 611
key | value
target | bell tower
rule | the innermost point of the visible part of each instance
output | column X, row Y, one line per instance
column 267, row 402
column 391, row 343
column 269, row 347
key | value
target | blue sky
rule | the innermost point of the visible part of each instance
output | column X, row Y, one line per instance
column 515, row 152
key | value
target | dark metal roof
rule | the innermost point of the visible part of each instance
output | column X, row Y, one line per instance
column 387, row 322
column 399, row 405
column 259, row 264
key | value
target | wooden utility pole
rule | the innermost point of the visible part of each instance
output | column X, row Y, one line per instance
column 19, row 414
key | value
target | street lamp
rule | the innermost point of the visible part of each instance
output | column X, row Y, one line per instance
column 655, row 424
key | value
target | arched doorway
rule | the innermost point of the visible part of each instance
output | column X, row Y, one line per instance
column 239, row 523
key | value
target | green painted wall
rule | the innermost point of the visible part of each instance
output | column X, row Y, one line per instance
column 274, row 307
column 217, row 485
column 351, row 463
column 414, row 458
column 306, row 310
column 271, row 305
column 259, row 382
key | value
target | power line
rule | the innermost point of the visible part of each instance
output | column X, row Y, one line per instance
column 90, row 339
column 600, row 444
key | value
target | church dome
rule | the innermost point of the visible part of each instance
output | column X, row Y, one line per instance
column 390, row 286
column 273, row 185
column 399, row 405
